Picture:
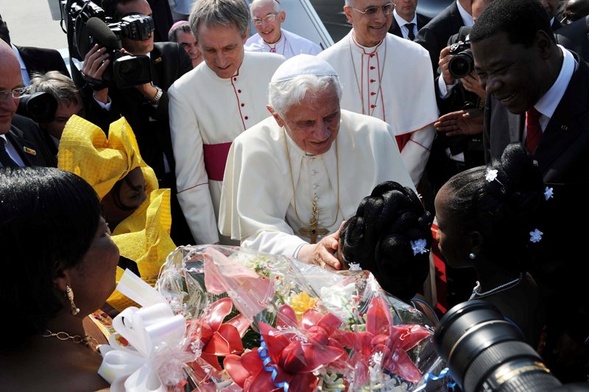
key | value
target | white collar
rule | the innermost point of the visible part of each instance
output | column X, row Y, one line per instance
column 467, row 18
column 549, row 101
column 403, row 22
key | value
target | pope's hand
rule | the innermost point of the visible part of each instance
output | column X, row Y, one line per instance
column 323, row 253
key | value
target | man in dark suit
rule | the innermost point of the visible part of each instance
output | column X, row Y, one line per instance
column 144, row 106
column 162, row 18
column 20, row 138
column 407, row 22
column 38, row 60
column 525, row 72
column 551, row 7
column 434, row 35
column 575, row 37
column 573, row 10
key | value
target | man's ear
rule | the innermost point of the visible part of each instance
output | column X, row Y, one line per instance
column 544, row 44
column 348, row 13
column 275, row 115
column 282, row 16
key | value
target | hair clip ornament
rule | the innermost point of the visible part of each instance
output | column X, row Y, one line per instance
column 536, row 236
column 491, row 175
column 418, row 246
column 548, row 193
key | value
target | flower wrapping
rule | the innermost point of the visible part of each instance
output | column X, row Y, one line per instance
column 260, row 322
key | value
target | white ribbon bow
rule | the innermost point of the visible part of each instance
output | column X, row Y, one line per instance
column 155, row 336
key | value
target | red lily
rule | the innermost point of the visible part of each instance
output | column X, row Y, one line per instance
column 290, row 359
column 219, row 339
column 392, row 341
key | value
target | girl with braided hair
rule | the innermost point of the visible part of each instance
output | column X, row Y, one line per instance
column 390, row 236
column 488, row 219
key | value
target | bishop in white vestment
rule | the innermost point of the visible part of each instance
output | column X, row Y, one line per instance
column 392, row 81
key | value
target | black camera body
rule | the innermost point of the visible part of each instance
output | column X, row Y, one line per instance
column 39, row 106
column 462, row 64
column 88, row 25
column 136, row 27
column 487, row 353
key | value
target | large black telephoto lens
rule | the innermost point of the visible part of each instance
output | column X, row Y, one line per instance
column 487, row 353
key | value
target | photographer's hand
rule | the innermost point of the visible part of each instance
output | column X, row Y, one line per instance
column 149, row 91
column 461, row 122
column 96, row 62
column 472, row 83
column 445, row 58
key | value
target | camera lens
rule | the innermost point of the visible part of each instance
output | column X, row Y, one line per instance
column 462, row 64
column 485, row 352
column 39, row 106
column 130, row 70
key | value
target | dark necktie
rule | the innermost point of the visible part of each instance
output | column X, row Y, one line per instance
column 534, row 131
column 409, row 26
column 5, row 159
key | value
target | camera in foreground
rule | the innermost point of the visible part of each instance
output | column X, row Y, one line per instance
column 462, row 64
column 487, row 353
column 39, row 106
column 88, row 25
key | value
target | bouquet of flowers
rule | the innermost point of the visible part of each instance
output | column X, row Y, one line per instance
column 257, row 322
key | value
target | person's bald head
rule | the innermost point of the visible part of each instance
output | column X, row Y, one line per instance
column 10, row 78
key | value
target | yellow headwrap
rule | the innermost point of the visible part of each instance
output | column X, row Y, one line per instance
column 143, row 237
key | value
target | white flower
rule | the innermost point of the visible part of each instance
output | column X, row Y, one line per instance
column 548, row 193
column 535, row 236
column 339, row 299
column 491, row 175
column 418, row 246
column 354, row 267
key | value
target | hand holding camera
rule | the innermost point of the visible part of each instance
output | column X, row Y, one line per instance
column 90, row 29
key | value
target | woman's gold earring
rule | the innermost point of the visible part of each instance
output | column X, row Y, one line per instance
column 70, row 296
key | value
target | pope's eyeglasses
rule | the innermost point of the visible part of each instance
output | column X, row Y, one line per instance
column 268, row 19
column 387, row 9
column 14, row 93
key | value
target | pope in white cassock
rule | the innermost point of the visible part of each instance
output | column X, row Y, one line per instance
column 387, row 77
column 293, row 178
column 212, row 104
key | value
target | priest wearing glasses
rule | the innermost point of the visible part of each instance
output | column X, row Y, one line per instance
column 387, row 77
column 293, row 178
column 268, row 17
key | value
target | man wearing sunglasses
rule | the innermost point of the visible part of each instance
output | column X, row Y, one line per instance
column 268, row 16
column 20, row 137
column 387, row 77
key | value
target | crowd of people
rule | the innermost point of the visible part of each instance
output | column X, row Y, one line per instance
column 464, row 135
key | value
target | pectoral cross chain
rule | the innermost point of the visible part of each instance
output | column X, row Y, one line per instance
column 313, row 230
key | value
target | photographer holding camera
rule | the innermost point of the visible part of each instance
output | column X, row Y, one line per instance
column 119, row 83
column 69, row 102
